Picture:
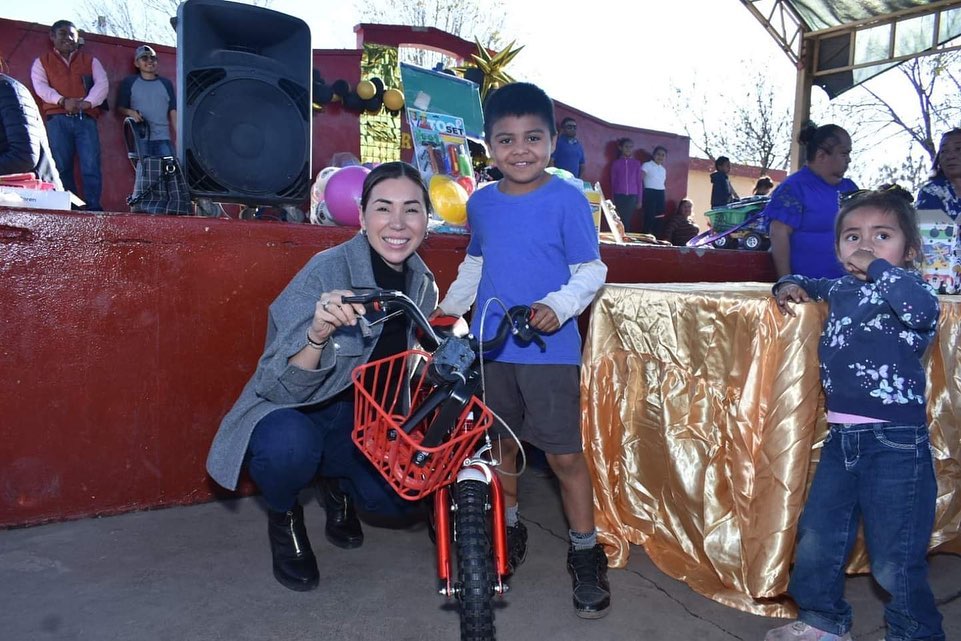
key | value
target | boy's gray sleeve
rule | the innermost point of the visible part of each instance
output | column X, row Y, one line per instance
column 462, row 292
column 575, row 296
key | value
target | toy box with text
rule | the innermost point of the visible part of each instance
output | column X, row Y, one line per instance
column 941, row 267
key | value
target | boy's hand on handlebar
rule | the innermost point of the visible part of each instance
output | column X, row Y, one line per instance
column 790, row 293
column 543, row 319
column 437, row 313
column 331, row 312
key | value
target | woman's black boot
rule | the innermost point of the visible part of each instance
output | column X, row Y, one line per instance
column 294, row 563
column 343, row 527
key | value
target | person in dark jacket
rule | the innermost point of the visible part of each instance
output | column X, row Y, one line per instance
column 721, row 191
column 24, row 147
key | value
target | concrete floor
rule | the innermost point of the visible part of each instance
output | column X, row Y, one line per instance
column 203, row 573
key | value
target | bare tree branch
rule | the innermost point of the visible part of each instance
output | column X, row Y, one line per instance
column 464, row 18
column 754, row 130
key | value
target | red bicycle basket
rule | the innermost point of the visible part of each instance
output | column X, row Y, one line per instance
column 381, row 405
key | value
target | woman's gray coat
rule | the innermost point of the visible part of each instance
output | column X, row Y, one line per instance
column 275, row 384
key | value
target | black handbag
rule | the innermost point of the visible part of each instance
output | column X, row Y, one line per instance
column 159, row 185
column 160, row 188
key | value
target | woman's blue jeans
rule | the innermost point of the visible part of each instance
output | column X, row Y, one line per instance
column 881, row 473
column 289, row 447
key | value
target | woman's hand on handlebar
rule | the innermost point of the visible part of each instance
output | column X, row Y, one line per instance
column 331, row 312
column 543, row 319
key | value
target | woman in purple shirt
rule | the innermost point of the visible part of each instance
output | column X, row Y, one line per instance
column 803, row 207
column 626, row 184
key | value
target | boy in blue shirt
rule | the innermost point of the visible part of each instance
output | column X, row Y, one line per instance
column 533, row 242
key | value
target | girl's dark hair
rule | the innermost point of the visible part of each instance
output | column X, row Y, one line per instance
column 892, row 199
column 388, row 170
column 659, row 148
column 936, row 170
column 681, row 203
column 764, row 182
column 621, row 141
column 825, row 137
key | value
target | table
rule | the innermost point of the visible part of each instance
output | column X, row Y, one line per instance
column 702, row 416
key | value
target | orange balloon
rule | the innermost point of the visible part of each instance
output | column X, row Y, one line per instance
column 448, row 199
column 366, row 89
column 394, row 99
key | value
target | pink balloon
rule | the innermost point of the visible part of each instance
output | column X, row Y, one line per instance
column 342, row 195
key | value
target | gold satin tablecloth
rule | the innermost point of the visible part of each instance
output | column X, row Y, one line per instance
column 702, row 416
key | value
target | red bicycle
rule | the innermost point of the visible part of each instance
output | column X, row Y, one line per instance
column 420, row 421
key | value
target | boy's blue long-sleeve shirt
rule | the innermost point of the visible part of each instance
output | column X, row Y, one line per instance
column 873, row 341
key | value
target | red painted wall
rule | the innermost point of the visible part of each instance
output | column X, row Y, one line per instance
column 599, row 139
column 125, row 338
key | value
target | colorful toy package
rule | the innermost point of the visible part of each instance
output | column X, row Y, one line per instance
column 941, row 267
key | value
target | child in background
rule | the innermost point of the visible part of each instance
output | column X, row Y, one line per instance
column 626, row 184
column 876, row 461
column 763, row 186
column 722, row 192
column 652, row 199
column 679, row 227
column 533, row 242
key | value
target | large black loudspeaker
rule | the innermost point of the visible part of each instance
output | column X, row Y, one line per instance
column 243, row 103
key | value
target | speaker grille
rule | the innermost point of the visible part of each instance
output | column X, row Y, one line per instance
column 248, row 136
column 199, row 81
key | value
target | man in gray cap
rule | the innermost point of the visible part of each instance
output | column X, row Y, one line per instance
column 149, row 98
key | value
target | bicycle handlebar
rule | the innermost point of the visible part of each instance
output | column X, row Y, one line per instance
column 516, row 321
column 380, row 299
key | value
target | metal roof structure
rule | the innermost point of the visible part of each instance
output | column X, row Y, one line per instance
column 839, row 44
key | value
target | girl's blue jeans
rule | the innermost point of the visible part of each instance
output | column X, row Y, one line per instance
column 289, row 447
column 880, row 473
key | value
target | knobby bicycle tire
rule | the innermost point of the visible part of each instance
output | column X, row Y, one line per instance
column 475, row 567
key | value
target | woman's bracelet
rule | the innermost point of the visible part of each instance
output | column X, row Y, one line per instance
column 312, row 343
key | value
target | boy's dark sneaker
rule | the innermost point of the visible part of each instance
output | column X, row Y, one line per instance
column 592, row 592
column 516, row 546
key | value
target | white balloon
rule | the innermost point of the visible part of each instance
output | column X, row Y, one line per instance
column 320, row 216
column 317, row 190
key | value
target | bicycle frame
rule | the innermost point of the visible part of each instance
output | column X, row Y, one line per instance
column 474, row 469
column 429, row 445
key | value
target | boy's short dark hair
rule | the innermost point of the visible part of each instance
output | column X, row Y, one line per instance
column 62, row 23
column 721, row 160
column 518, row 99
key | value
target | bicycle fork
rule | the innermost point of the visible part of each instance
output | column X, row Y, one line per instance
column 443, row 508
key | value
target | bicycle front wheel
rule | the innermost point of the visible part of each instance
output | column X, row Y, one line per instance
column 475, row 566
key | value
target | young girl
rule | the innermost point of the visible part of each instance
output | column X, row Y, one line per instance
column 655, row 178
column 626, row 183
column 876, row 460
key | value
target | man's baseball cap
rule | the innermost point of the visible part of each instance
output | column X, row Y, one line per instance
column 144, row 50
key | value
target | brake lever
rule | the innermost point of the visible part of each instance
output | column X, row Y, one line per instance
column 520, row 326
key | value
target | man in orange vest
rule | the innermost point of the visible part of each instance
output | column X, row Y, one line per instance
column 71, row 86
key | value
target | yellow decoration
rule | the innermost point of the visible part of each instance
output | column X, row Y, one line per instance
column 366, row 89
column 394, row 99
column 493, row 66
column 449, row 199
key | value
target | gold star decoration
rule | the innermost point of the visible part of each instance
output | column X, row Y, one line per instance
column 492, row 66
